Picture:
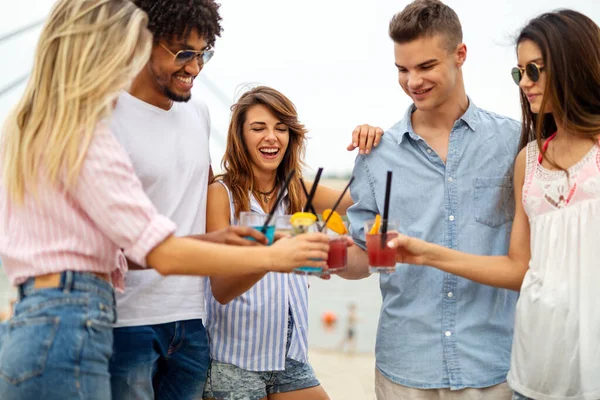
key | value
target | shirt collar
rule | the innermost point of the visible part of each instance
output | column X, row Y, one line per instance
column 404, row 126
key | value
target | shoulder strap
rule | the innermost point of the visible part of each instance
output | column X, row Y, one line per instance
column 545, row 147
column 232, row 219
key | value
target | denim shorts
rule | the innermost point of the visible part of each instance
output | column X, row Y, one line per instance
column 59, row 341
column 229, row 382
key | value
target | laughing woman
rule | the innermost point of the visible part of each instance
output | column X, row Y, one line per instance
column 258, row 326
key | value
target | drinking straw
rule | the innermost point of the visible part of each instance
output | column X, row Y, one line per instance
column 337, row 203
column 386, row 208
column 313, row 190
column 312, row 209
column 279, row 198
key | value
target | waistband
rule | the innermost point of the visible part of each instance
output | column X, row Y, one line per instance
column 69, row 281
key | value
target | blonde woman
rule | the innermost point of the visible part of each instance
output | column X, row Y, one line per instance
column 71, row 208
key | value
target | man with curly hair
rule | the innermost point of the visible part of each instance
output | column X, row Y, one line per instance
column 160, row 344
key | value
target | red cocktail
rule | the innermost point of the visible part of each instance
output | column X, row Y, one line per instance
column 338, row 254
column 381, row 258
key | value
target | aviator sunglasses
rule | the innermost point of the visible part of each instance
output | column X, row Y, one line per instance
column 532, row 70
column 183, row 57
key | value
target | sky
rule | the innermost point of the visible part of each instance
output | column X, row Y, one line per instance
column 332, row 58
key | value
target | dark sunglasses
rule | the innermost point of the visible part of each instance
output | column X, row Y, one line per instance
column 532, row 70
column 183, row 57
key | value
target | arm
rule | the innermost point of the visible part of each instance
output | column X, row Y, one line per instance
column 325, row 198
column 225, row 288
column 364, row 208
column 499, row 271
column 358, row 264
column 112, row 196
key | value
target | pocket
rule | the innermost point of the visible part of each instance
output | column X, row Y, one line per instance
column 493, row 200
column 24, row 347
column 99, row 345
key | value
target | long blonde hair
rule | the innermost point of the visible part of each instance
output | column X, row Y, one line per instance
column 88, row 51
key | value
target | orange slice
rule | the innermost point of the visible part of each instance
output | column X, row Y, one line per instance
column 302, row 219
column 335, row 223
column 375, row 228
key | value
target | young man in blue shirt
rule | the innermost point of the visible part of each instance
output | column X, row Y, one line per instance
column 439, row 336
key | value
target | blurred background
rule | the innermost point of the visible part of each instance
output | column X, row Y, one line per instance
column 334, row 60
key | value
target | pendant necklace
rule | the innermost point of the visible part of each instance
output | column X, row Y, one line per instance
column 267, row 195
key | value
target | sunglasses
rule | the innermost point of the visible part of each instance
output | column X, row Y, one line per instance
column 532, row 70
column 183, row 57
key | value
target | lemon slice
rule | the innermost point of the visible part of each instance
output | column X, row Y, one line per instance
column 302, row 219
column 375, row 228
column 335, row 222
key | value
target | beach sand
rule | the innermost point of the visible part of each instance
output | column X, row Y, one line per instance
column 345, row 376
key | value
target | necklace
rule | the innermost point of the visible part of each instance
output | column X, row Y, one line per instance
column 267, row 195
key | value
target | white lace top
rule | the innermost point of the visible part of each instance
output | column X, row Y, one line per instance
column 556, row 348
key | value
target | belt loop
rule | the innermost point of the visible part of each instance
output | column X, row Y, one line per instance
column 21, row 291
column 67, row 281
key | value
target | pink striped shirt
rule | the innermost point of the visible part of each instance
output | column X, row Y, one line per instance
column 89, row 228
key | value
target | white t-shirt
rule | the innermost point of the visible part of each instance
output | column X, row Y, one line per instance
column 170, row 154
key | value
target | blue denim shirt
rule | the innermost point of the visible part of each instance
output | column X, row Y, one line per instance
column 437, row 330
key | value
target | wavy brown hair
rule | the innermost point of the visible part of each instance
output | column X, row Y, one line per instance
column 238, row 173
column 570, row 46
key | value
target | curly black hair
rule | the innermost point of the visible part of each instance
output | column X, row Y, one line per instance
column 176, row 18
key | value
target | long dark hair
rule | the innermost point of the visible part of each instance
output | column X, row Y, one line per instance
column 570, row 46
column 238, row 173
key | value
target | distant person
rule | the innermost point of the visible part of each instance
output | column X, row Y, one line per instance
column 554, row 254
column 439, row 336
column 349, row 340
column 75, row 208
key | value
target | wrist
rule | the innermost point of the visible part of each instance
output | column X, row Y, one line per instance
column 268, row 257
column 431, row 254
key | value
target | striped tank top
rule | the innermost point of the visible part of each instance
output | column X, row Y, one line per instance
column 250, row 332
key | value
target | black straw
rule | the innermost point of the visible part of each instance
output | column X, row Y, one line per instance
column 312, row 209
column 313, row 190
column 337, row 203
column 279, row 198
column 386, row 208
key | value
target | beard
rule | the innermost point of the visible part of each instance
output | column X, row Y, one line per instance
column 176, row 97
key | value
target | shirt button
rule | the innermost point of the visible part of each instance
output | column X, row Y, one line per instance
column 450, row 179
column 451, row 218
column 448, row 333
column 429, row 151
column 450, row 294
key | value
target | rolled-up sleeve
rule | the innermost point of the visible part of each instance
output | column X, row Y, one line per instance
column 365, row 206
column 111, row 194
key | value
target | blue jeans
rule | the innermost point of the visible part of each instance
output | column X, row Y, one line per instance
column 165, row 361
column 59, row 341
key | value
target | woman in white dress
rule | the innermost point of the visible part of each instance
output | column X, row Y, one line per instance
column 554, row 255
